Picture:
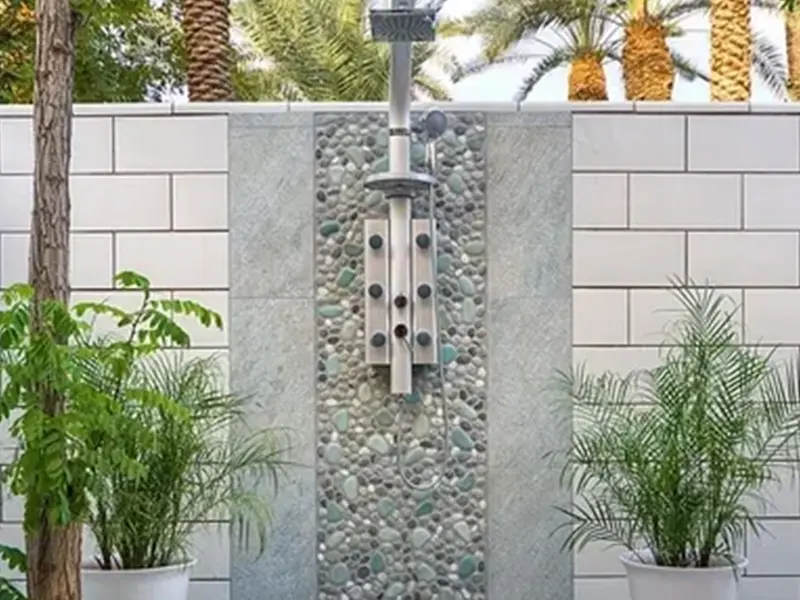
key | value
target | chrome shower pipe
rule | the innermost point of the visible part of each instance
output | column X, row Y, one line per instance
column 400, row 208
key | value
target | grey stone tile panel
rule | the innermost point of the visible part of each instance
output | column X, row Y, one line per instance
column 271, row 205
column 272, row 359
column 529, row 325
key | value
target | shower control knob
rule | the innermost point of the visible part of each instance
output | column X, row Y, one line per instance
column 424, row 241
column 378, row 340
column 424, row 339
column 375, row 242
column 375, row 290
column 400, row 301
column 424, row 291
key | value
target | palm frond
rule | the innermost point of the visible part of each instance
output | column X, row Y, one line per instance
column 686, row 68
column 769, row 65
column 557, row 58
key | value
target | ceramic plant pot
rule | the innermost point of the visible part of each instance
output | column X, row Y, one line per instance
column 162, row 583
column 647, row 581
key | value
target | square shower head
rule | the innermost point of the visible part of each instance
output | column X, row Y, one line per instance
column 403, row 25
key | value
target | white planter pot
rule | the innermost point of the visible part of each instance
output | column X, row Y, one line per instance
column 163, row 583
column 649, row 582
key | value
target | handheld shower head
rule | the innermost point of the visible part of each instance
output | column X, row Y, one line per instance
column 435, row 123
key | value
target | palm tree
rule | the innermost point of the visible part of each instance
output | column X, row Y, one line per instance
column 730, row 44
column 648, row 63
column 792, row 26
column 731, row 50
column 206, row 30
column 320, row 50
column 585, row 44
column 584, row 28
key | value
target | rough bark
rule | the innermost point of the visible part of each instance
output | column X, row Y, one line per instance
column 54, row 551
column 792, row 25
column 206, row 29
column 731, row 50
column 587, row 79
column 647, row 67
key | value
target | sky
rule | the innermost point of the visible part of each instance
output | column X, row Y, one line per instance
column 501, row 82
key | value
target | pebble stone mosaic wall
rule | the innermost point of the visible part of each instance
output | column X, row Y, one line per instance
column 383, row 533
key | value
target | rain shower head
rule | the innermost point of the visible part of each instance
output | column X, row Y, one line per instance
column 403, row 25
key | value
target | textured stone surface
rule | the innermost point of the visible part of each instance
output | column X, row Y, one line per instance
column 529, row 337
column 271, row 207
column 273, row 363
column 378, row 537
column 272, row 335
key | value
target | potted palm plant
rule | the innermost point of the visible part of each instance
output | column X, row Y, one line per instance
column 666, row 461
column 143, row 523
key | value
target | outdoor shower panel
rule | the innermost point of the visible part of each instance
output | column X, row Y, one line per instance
column 400, row 252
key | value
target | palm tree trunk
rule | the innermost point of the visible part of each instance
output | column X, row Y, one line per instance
column 54, row 550
column 587, row 79
column 731, row 50
column 647, row 67
column 792, row 25
column 206, row 30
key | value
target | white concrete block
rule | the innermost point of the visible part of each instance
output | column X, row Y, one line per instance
column 628, row 142
column 200, row 201
column 176, row 260
column 90, row 259
column 120, row 202
column 771, row 316
column 620, row 360
column 599, row 317
column 209, row 590
column 91, row 145
column 599, row 558
column 211, row 545
column 599, row 200
column 769, row 588
column 744, row 258
column 605, row 258
column 774, row 552
column 772, row 201
column 685, row 201
column 601, row 588
column 744, row 143
column 164, row 144
column 16, row 202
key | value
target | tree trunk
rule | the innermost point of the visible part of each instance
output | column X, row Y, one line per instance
column 206, row 31
column 792, row 25
column 587, row 79
column 54, row 551
column 731, row 50
column 647, row 67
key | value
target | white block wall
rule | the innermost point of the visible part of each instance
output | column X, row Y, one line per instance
column 149, row 193
column 707, row 192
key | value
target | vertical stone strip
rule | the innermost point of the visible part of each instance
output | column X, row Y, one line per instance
column 272, row 333
column 530, row 279
column 382, row 532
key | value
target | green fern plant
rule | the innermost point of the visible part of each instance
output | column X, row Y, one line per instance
column 209, row 466
column 668, row 461
column 61, row 456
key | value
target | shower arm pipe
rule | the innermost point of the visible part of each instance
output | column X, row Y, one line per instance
column 400, row 206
